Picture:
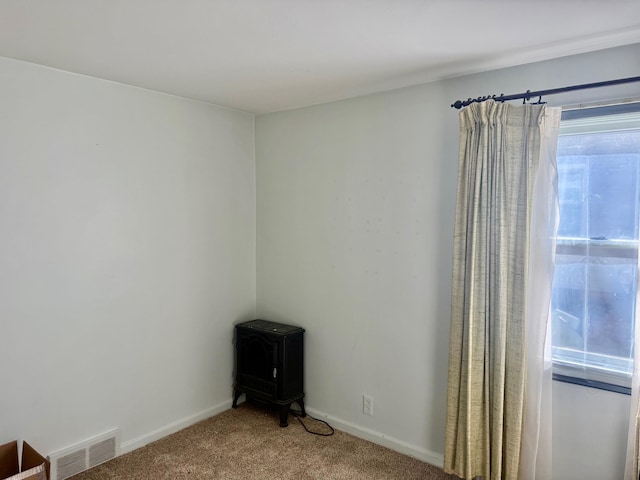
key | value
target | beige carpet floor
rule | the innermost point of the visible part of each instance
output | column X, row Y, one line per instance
column 248, row 443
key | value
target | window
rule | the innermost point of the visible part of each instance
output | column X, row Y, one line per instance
column 593, row 302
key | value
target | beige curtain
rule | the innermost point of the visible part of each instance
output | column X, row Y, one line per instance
column 506, row 220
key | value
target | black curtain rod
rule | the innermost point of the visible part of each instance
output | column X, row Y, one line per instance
column 540, row 93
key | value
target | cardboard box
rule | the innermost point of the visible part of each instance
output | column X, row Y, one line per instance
column 33, row 466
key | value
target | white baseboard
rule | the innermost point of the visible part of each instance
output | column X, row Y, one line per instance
column 433, row 458
column 173, row 427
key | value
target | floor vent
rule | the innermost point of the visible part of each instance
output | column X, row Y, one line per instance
column 70, row 461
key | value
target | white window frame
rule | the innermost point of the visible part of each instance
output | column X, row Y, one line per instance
column 586, row 368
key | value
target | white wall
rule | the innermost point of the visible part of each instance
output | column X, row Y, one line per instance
column 589, row 433
column 127, row 251
column 355, row 205
column 353, row 242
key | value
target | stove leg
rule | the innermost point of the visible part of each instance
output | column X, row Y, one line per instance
column 301, row 403
column 284, row 415
column 236, row 396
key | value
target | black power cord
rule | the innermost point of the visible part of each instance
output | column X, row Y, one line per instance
column 298, row 415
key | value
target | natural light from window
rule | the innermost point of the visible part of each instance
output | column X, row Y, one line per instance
column 594, row 293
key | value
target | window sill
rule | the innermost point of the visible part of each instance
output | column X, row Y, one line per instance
column 609, row 387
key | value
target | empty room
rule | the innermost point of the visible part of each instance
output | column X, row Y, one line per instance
column 408, row 226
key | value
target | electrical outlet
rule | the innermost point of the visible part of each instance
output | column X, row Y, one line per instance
column 367, row 404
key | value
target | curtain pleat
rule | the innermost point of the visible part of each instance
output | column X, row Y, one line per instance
column 500, row 146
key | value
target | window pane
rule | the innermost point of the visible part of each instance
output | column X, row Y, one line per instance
column 594, row 304
column 598, row 185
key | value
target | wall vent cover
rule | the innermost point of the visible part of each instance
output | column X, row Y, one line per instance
column 77, row 458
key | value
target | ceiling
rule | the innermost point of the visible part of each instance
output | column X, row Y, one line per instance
column 268, row 55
